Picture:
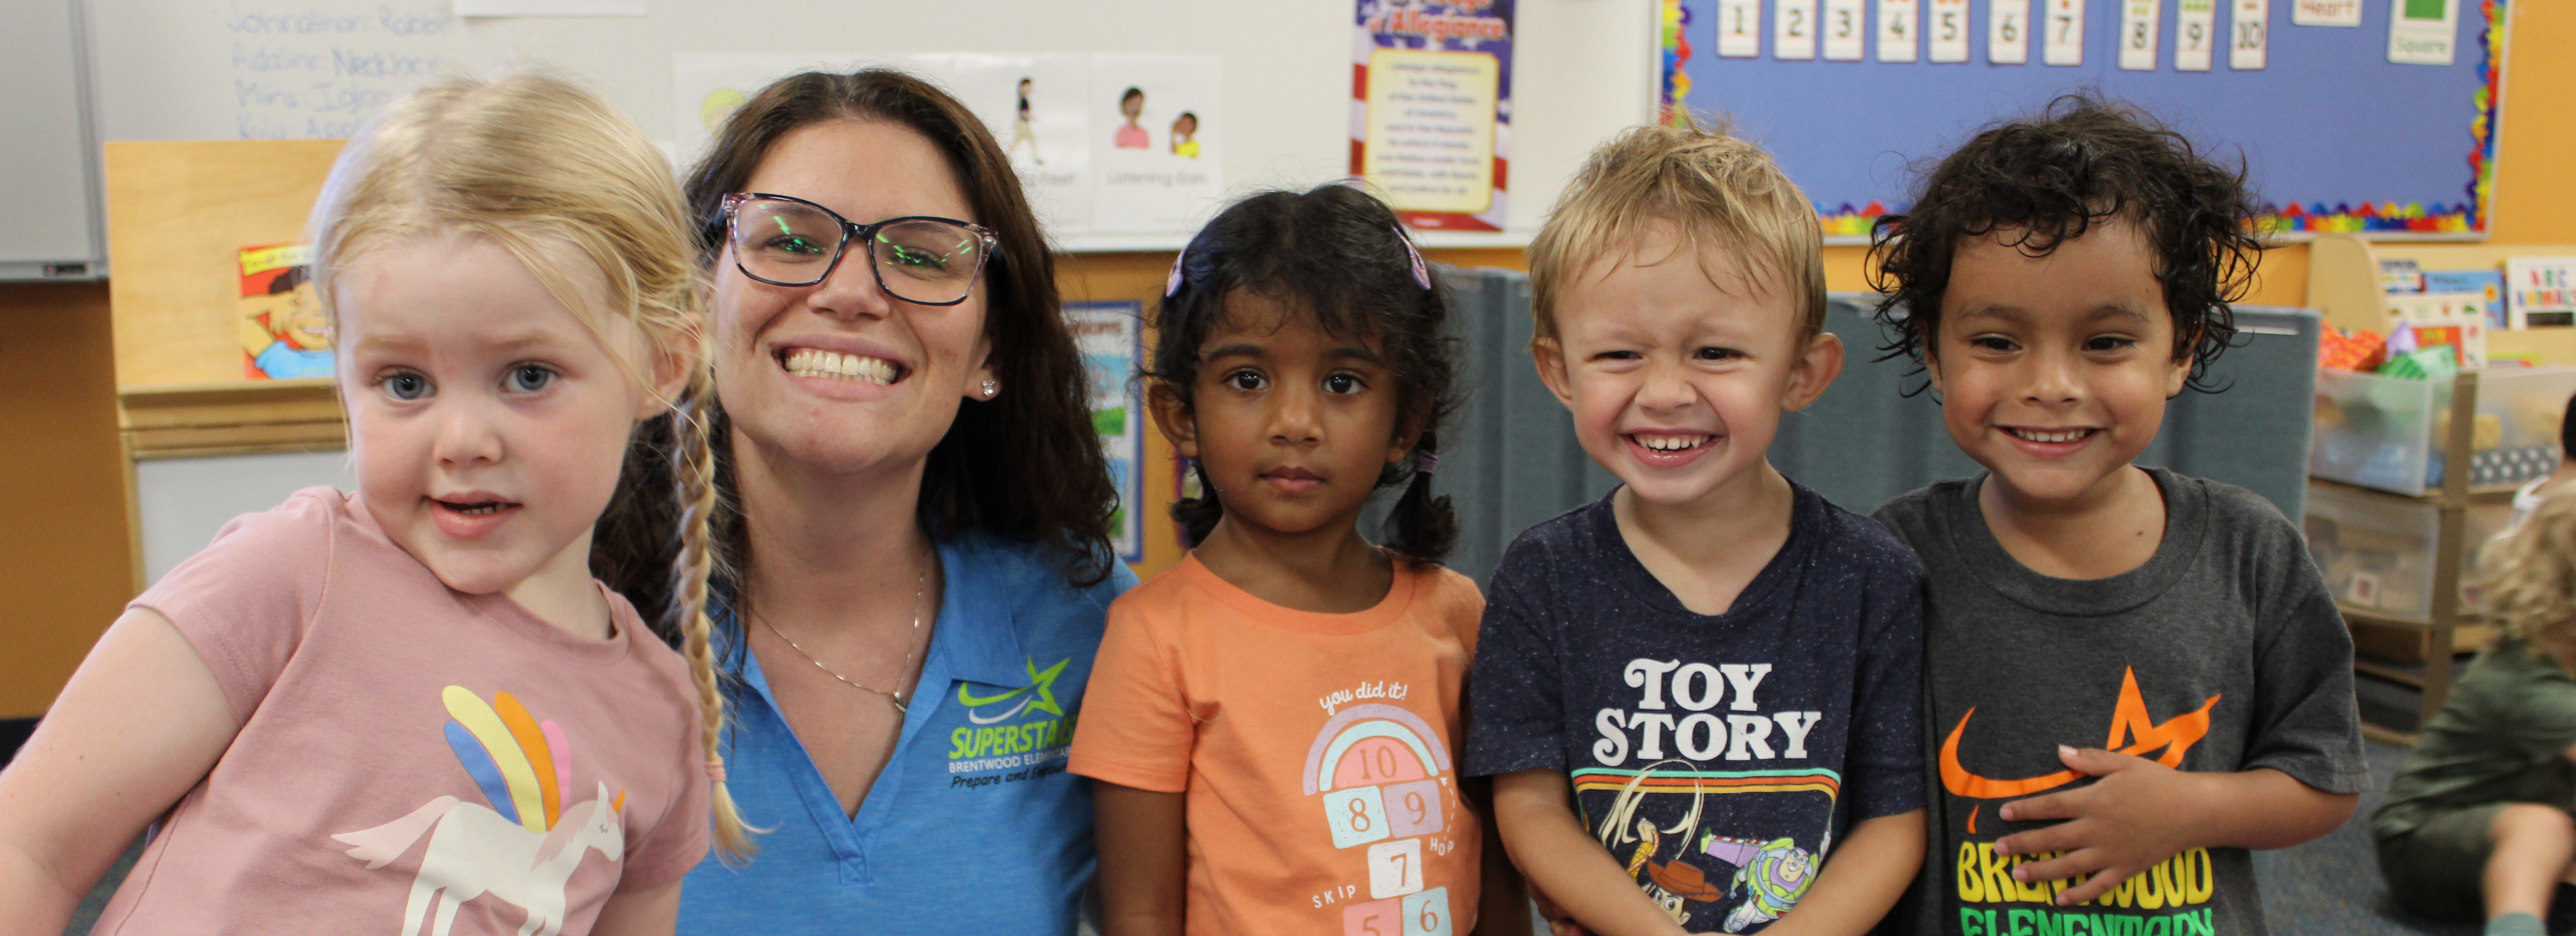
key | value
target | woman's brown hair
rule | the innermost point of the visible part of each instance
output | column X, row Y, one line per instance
column 1025, row 465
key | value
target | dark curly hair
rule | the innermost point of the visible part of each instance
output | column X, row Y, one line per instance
column 1333, row 253
column 1023, row 466
column 2044, row 181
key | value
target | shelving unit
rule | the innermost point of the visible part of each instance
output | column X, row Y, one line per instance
column 2344, row 286
column 2439, row 631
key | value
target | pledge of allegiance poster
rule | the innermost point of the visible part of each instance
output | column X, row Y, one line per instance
column 1431, row 105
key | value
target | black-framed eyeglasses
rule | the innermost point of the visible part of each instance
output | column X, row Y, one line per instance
column 787, row 241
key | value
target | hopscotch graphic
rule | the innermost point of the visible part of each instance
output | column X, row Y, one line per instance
column 519, row 850
column 1384, row 775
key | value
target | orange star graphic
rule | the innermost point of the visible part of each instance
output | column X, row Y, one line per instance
column 2129, row 721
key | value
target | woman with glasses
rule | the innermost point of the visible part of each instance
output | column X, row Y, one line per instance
column 912, row 522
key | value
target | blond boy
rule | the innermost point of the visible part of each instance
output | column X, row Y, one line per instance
column 1698, row 696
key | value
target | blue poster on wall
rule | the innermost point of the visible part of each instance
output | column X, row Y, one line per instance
column 2368, row 116
column 1111, row 337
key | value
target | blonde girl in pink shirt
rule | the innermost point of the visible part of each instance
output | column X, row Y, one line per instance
column 412, row 707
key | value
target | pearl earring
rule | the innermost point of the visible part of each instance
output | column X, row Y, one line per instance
column 991, row 387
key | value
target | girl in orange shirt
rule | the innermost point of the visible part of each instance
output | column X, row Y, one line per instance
column 1273, row 723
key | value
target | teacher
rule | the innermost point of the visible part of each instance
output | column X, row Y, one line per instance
column 912, row 531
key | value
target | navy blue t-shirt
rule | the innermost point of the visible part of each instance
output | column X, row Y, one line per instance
column 1717, row 758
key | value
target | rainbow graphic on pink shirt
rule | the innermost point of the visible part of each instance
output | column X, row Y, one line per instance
column 522, row 764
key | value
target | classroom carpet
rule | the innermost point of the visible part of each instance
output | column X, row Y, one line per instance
column 2328, row 887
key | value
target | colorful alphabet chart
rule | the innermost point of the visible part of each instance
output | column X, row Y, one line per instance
column 1853, row 96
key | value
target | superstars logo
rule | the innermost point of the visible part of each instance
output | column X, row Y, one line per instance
column 2129, row 723
column 1005, row 744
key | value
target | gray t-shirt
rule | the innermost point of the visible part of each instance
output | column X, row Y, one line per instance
column 2223, row 653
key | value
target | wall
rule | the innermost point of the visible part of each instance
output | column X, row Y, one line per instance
column 64, row 542
column 66, row 560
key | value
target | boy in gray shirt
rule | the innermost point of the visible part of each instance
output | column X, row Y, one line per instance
column 2131, row 676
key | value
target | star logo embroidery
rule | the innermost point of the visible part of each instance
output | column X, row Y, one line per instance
column 2133, row 732
column 1042, row 682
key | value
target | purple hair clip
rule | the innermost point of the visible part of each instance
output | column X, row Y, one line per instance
column 1172, row 283
column 1421, row 272
column 1425, row 462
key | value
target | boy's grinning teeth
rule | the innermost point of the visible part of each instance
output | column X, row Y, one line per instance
column 2045, row 435
column 1671, row 443
column 815, row 362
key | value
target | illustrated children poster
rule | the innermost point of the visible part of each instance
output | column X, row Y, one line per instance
column 1431, row 104
column 1111, row 337
column 2375, row 117
column 1157, row 132
column 1038, row 108
column 1118, row 144
column 282, row 330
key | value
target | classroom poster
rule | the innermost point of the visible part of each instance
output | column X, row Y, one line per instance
column 1431, row 104
column 707, row 87
column 283, row 333
column 1157, row 132
column 1038, row 108
column 1111, row 337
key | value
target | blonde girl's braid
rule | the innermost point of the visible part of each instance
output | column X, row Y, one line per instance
column 694, row 463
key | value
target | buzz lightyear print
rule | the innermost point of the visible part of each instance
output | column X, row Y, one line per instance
column 1386, row 783
column 1768, row 875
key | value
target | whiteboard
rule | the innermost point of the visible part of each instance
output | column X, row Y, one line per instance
column 49, row 218
column 233, row 69
column 182, row 502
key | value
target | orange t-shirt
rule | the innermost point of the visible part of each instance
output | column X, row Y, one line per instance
column 1318, row 751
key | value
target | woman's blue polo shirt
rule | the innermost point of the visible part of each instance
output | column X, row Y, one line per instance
column 973, row 826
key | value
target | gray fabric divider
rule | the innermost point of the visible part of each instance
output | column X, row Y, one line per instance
column 1509, row 459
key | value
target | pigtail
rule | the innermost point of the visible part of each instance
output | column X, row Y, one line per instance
column 1198, row 515
column 1421, row 527
column 694, row 463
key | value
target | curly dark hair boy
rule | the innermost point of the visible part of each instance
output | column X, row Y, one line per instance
column 1333, row 253
column 2036, row 183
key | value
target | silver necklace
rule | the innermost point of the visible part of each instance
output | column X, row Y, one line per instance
column 920, row 587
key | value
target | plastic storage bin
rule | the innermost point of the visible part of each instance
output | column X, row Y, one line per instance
column 2377, row 552
column 2388, row 432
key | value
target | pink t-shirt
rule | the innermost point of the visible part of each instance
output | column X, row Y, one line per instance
column 408, row 752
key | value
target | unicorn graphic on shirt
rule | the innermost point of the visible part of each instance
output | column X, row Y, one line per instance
column 518, row 850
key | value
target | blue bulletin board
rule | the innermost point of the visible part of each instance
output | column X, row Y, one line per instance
column 2335, row 136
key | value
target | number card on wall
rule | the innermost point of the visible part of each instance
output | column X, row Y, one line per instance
column 2063, row 34
column 1739, row 28
column 2248, row 34
column 1947, row 24
column 2008, row 32
column 2138, row 33
column 1846, row 29
column 2195, row 22
column 1797, row 37
column 1897, row 20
